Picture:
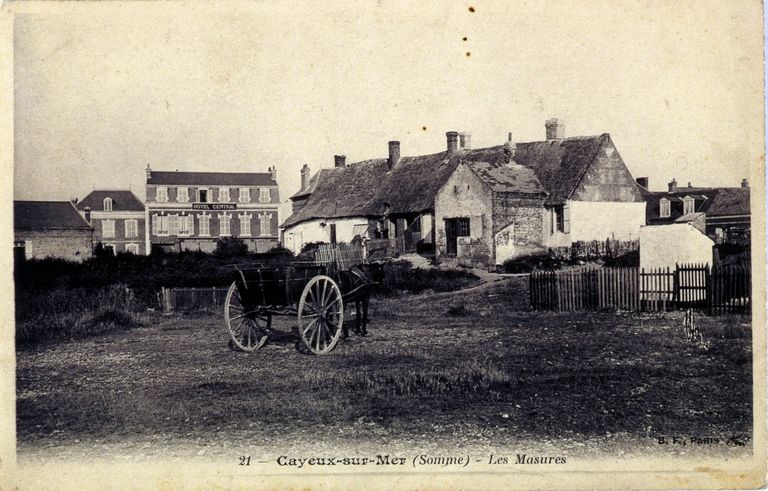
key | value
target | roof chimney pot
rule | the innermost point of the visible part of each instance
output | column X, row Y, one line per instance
column 340, row 160
column 452, row 138
column 673, row 186
column 394, row 154
column 305, row 177
column 745, row 184
column 555, row 129
column 465, row 140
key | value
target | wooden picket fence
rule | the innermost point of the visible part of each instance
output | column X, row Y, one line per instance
column 341, row 256
column 721, row 290
column 191, row 299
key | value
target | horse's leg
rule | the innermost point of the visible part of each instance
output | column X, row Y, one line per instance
column 364, row 323
column 357, row 317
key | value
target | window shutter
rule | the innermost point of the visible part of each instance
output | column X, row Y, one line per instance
column 155, row 224
column 566, row 219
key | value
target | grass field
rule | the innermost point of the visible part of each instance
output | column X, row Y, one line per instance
column 468, row 369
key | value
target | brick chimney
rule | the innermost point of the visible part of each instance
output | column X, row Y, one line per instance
column 465, row 141
column 555, row 129
column 273, row 171
column 88, row 214
column 305, row 177
column 673, row 186
column 452, row 138
column 744, row 184
column 643, row 181
column 394, row 154
column 149, row 172
column 340, row 160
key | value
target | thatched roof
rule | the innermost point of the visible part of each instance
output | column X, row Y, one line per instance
column 363, row 188
column 47, row 215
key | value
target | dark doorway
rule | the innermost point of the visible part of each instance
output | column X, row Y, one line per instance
column 333, row 233
column 455, row 227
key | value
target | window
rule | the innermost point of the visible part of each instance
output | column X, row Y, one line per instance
column 205, row 224
column 688, row 205
column 265, row 220
column 182, row 195
column 160, row 224
column 107, row 228
column 173, row 224
column 202, row 195
column 107, row 204
column 245, row 195
column 223, row 195
column 224, row 224
column 561, row 219
column 132, row 248
column 462, row 227
column 186, row 225
column 131, row 228
column 664, row 210
column 264, row 196
column 161, row 194
column 245, row 224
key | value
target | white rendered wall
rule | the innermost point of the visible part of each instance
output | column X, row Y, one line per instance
column 296, row 236
column 600, row 220
column 663, row 246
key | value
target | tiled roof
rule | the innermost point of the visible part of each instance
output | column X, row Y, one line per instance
column 122, row 200
column 47, row 214
column 212, row 178
column 363, row 188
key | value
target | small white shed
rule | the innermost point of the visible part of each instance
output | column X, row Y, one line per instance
column 664, row 246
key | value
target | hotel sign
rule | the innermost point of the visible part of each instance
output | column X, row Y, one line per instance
column 214, row 206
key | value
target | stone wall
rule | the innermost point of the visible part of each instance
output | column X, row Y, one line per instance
column 521, row 220
column 73, row 245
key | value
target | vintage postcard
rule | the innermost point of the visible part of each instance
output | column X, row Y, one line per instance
column 383, row 244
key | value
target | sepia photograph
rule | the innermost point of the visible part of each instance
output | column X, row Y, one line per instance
column 385, row 245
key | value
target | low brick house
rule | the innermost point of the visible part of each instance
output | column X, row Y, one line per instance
column 481, row 205
column 50, row 229
column 118, row 219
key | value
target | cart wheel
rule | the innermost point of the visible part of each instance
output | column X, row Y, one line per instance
column 321, row 315
column 247, row 330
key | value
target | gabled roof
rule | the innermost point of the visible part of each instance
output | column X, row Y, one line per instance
column 47, row 215
column 211, row 178
column 501, row 178
column 122, row 200
column 558, row 164
column 364, row 188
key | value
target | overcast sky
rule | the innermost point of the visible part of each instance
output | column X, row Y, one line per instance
column 102, row 90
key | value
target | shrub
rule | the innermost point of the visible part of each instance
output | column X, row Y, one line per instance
column 230, row 247
column 401, row 275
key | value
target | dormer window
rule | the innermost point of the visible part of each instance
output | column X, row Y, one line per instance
column 245, row 195
column 689, row 205
column 223, row 195
column 182, row 195
column 161, row 194
column 107, row 204
column 664, row 210
column 264, row 196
